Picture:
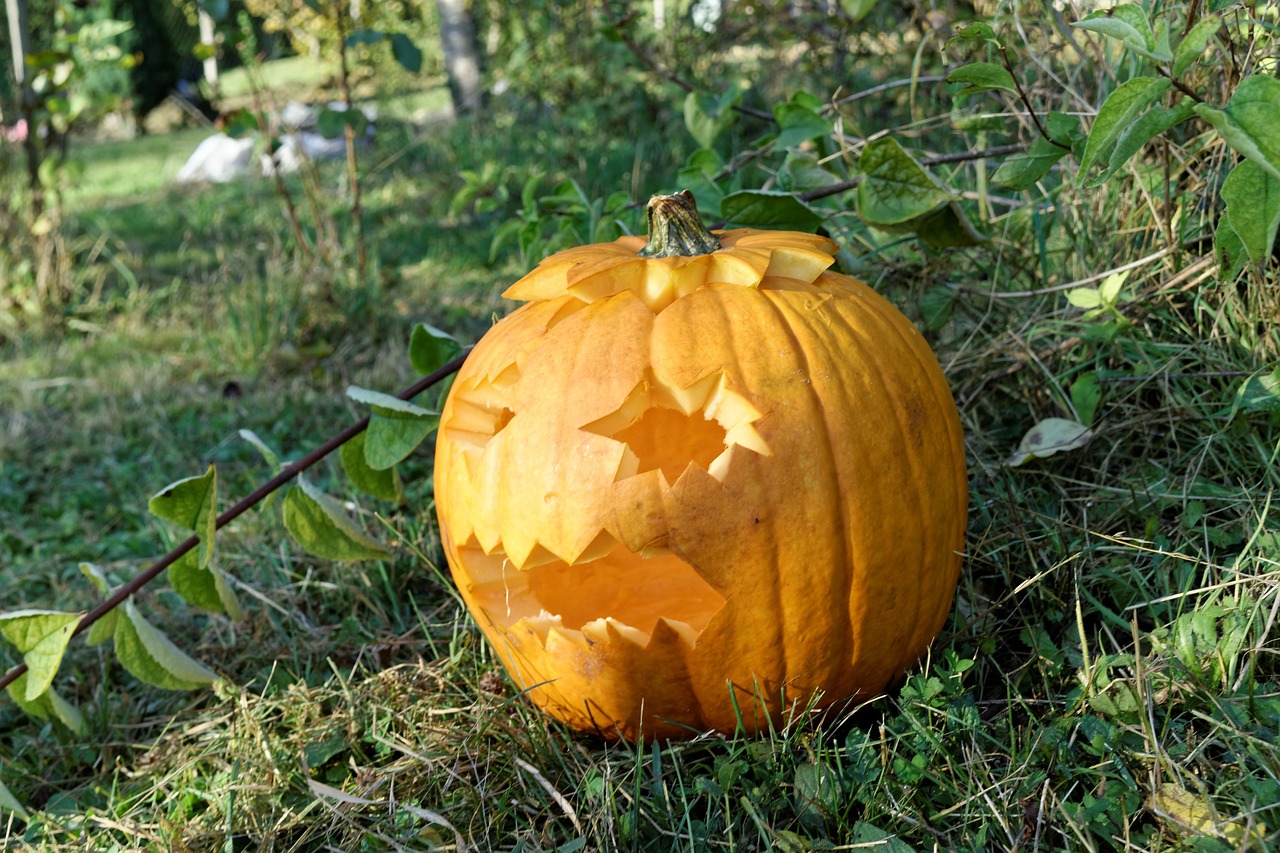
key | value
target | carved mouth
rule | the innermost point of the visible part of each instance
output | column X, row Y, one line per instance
column 633, row 591
column 663, row 432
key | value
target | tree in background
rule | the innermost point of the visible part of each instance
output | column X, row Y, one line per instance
column 461, row 58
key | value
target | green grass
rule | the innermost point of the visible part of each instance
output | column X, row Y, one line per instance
column 1108, row 678
column 282, row 77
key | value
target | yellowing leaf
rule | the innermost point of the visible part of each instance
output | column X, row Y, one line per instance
column 97, row 577
column 204, row 586
column 47, row 706
column 41, row 636
column 319, row 525
column 1194, row 813
column 150, row 656
column 1050, row 436
column 192, row 504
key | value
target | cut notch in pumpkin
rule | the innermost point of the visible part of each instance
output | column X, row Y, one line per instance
column 670, row 429
column 632, row 591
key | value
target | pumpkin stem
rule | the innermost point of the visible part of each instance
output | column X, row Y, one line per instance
column 675, row 229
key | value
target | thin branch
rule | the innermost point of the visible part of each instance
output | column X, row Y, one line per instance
column 286, row 474
column 1026, row 100
column 884, row 87
column 960, row 157
column 1179, row 85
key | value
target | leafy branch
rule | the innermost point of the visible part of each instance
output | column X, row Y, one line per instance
column 289, row 472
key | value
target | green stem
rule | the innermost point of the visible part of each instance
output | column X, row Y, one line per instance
column 676, row 230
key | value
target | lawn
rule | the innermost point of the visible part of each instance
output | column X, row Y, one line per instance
column 1107, row 678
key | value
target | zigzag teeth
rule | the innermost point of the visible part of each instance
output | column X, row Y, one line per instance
column 669, row 630
column 554, row 631
column 600, row 547
column 538, row 556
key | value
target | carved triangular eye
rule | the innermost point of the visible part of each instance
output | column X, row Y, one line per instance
column 670, row 429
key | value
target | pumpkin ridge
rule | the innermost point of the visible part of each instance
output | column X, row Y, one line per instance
column 787, row 325
column 929, row 372
column 929, row 368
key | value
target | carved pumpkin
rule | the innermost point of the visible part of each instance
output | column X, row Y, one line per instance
column 700, row 490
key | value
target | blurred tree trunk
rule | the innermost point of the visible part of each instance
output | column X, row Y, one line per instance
column 461, row 59
column 19, row 47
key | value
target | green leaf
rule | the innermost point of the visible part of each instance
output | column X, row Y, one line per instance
column 1142, row 130
column 876, row 840
column 1109, row 290
column 396, row 427
column 1117, row 112
column 975, row 32
column 41, row 637
column 1021, row 171
column 1258, row 395
column 1252, row 196
column 707, row 117
column 949, row 228
column 63, row 710
column 49, row 705
column 895, row 188
column 320, row 526
column 431, row 349
column 857, row 9
column 331, row 123
column 193, row 505
column 152, row 658
column 1250, row 123
column 936, row 305
column 383, row 484
column 10, row 803
column 104, row 629
column 803, row 172
column 697, row 175
column 97, row 577
column 1050, row 436
column 1193, row 44
column 204, row 586
column 979, row 122
column 983, row 77
column 241, row 123
column 1063, row 127
column 769, row 209
column 269, row 456
column 1128, row 23
column 798, row 124
column 1229, row 249
column 1086, row 394
column 1084, row 297
column 408, row 54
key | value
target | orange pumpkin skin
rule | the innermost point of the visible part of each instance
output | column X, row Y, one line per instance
column 696, row 493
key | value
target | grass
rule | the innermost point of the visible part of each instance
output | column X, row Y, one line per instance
column 1108, row 678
